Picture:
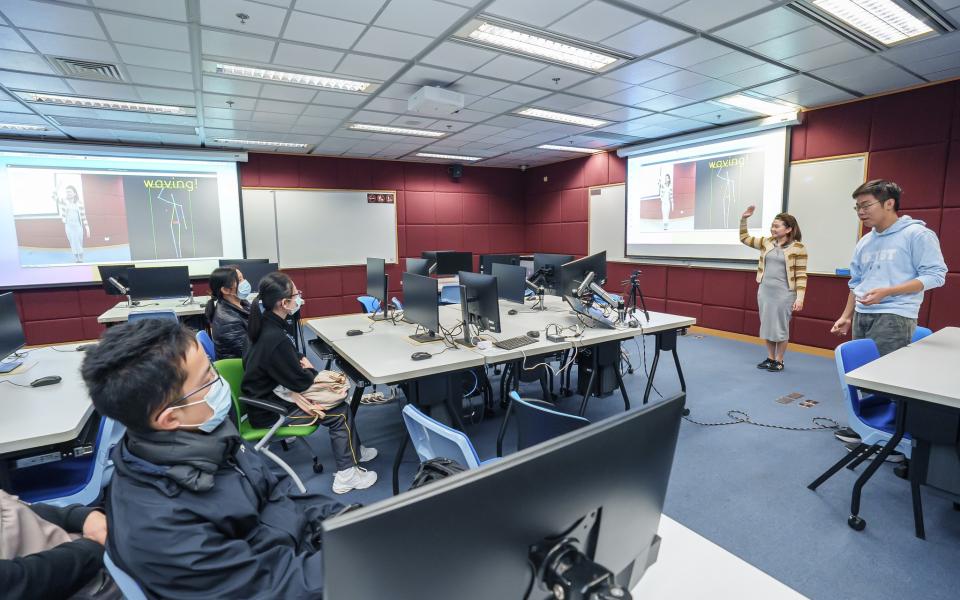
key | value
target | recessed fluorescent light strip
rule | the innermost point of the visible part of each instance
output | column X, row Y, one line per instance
column 537, row 44
column 21, row 127
column 569, row 148
column 757, row 105
column 260, row 143
column 101, row 104
column 883, row 20
column 448, row 156
column 549, row 115
column 395, row 130
column 334, row 83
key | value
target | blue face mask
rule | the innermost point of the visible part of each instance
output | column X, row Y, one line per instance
column 243, row 289
column 219, row 400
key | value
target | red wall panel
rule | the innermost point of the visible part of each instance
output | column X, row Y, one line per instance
column 685, row 284
column 844, row 129
column 919, row 170
column 912, row 118
column 724, row 288
column 951, row 187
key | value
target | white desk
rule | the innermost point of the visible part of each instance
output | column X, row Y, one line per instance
column 120, row 312
column 691, row 566
column 34, row 417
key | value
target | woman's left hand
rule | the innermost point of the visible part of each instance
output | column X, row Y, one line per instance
column 798, row 305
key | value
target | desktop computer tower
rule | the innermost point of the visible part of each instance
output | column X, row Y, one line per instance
column 607, row 360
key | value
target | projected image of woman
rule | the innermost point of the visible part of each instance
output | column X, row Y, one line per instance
column 74, row 217
column 782, row 275
column 666, row 199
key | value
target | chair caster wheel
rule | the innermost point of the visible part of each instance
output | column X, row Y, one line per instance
column 686, row 412
column 285, row 445
column 317, row 466
column 902, row 471
column 856, row 523
column 630, row 371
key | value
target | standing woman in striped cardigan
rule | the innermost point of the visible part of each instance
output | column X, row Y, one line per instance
column 782, row 275
column 74, row 217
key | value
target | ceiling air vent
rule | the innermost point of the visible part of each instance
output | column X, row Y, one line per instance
column 86, row 69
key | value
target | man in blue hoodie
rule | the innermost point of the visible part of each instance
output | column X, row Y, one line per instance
column 191, row 512
column 892, row 266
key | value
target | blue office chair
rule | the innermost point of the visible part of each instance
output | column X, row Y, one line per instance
column 870, row 415
column 368, row 304
column 152, row 314
column 396, row 303
column 450, row 294
column 433, row 439
column 128, row 586
column 204, row 338
column 539, row 421
column 919, row 333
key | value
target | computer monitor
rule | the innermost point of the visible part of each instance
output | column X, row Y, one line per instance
column 511, row 281
column 377, row 280
column 255, row 271
column 159, row 282
column 592, row 315
column 226, row 262
column 481, row 302
column 418, row 266
column 451, row 263
column 572, row 274
column 488, row 260
column 549, row 265
column 421, row 306
column 119, row 274
column 11, row 332
column 601, row 486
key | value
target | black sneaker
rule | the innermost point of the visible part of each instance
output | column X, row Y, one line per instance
column 775, row 366
column 893, row 457
column 765, row 364
column 847, row 435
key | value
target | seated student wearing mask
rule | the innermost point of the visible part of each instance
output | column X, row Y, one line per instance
column 228, row 311
column 273, row 367
column 192, row 513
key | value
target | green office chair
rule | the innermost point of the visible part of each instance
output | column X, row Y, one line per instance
column 232, row 370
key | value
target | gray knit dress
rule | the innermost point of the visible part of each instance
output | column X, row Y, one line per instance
column 775, row 298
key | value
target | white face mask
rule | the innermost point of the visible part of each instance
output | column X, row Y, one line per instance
column 243, row 289
column 298, row 303
column 219, row 399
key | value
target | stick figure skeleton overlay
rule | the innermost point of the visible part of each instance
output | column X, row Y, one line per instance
column 728, row 194
column 178, row 220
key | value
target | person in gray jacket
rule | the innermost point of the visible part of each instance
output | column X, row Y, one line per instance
column 228, row 311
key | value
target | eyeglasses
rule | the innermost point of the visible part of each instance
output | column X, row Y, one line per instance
column 216, row 380
column 864, row 206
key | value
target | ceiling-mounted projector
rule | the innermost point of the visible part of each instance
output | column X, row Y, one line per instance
column 432, row 100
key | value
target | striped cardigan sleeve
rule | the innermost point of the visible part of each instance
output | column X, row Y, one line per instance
column 800, row 272
column 745, row 238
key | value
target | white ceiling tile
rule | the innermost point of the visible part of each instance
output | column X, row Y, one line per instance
column 293, row 93
column 33, row 83
column 426, row 17
column 646, row 37
column 375, row 117
column 640, row 71
column 519, row 93
column 277, row 119
column 798, row 42
column 398, row 91
column 869, row 75
column 264, row 20
column 945, row 74
column 394, row 43
column 220, row 101
column 469, row 115
column 756, row 75
column 369, row 67
column 721, row 115
column 326, row 112
column 416, row 121
column 97, row 89
column 665, row 102
column 493, row 105
column 764, row 26
column 387, row 105
column 538, row 13
column 420, row 75
column 150, row 76
column 691, row 53
column 316, row 59
column 595, row 108
column 443, row 125
column 599, row 87
column 303, row 27
column 459, row 56
column 560, row 102
column 227, row 114
column 72, row 47
column 226, row 85
column 9, row 106
column 146, row 32
column 154, row 57
column 338, row 98
column 49, row 17
column 176, row 139
column 236, row 47
column 10, row 40
column 511, row 68
column 23, row 61
column 708, row 89
column 13, row 112
column 173, row 120
column 566, row 77
column 707, row 14
column 625, row 114
column 824, row 57
column 166, row 10
column 728, row 63
column 633, row 95
column 507, row 121
column 676, row 80
column 166, row 96
column 936, row 46
column 937, row 64
column 480, row 86
column 278, row 106
column 812, row 97
column 595, row 21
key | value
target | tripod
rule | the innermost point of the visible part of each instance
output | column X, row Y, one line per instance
column 636, row 294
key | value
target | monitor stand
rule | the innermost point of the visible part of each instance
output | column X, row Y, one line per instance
column 423, row 338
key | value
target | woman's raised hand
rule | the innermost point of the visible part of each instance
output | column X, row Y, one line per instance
column 749, row 212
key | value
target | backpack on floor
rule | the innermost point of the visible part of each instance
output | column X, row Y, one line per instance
column 435, row 469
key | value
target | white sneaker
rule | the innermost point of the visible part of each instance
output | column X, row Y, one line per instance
column 354, row 478
column 367, row 454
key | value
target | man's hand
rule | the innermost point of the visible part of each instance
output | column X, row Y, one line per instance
column 797, row 305
column 748, row 213
column 305, row 363
column 873, row 296
column 95, row 527
column 841, row 327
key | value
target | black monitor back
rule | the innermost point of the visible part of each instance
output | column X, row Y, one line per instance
column 255, row 271
column 553, row 262
column 573, row 273
column 483, row 301
column 118, row 272
column 377, row 278
column 159, row 282
column 11, row 329
column 511, row 281
column 418, row 266
column 488, row 260
column 226, row 262
column 420, row 301
column 451, row 263
column 468, row 536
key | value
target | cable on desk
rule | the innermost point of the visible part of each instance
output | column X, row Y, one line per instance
column 16, row 384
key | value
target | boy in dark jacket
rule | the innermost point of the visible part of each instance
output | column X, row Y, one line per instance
column 192, row 513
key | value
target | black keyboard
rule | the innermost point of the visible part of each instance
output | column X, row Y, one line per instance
column 515, row 342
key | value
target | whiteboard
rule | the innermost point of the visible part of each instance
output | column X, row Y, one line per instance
column 319, row 228
column 819, row 197
column 607, row 211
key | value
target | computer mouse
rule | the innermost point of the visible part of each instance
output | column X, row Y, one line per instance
column 84, row 347
column 512, row 311
column 45, row 380
column 533, row 334
column 353, row 332
column 420, row 355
